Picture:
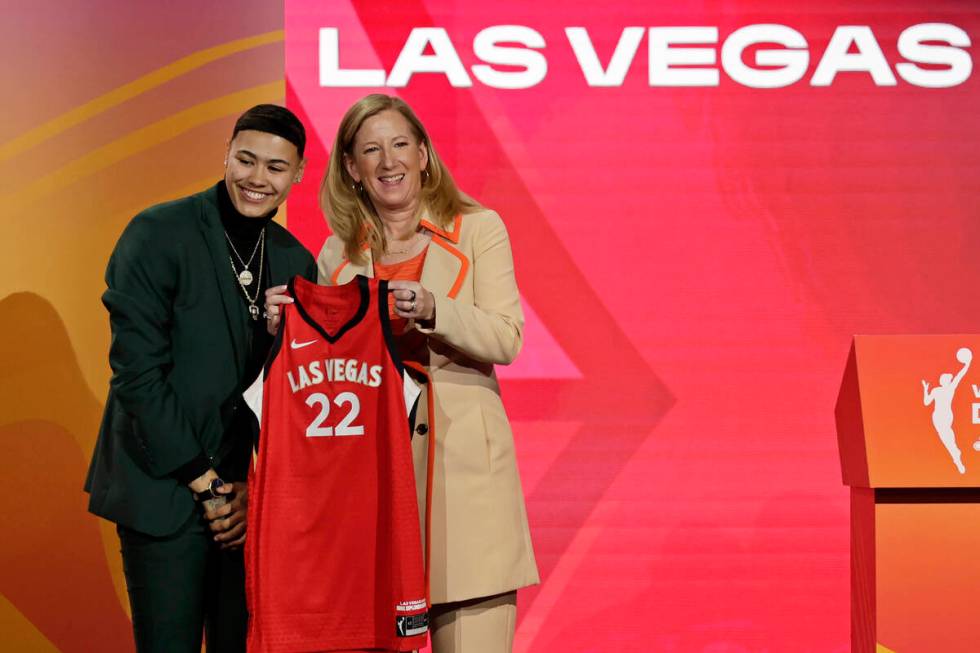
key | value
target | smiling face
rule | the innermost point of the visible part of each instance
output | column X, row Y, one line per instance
column 260, row 170
column 387, row 158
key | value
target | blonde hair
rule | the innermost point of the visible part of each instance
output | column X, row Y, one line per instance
column 349, row 211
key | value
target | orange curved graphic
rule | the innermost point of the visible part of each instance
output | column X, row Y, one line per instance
column 128, row 91
column 143, row 139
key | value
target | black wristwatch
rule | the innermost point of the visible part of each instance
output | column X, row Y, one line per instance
column 210, row 492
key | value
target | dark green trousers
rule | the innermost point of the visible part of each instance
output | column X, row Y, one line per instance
column 181, row 586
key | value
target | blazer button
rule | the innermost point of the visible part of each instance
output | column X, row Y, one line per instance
column 422, row 429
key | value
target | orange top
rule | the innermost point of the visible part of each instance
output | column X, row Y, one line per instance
column 408, row 270
column 411, row 343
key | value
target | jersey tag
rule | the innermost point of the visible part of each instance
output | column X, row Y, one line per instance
column 409, row 625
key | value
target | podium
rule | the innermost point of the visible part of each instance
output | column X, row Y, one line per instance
column 908, row 428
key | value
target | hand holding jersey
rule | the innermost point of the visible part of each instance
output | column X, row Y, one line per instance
column 413, row 301
column 275, row 298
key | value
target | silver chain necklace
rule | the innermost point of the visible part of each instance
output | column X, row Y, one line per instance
column 253, row 310
column 245, row 277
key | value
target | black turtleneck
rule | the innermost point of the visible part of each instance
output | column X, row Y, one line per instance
column 244, row 233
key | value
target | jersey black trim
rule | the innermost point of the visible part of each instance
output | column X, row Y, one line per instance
column 386, row 328
column 413, row 414
column 389, row 337
column 362, row 282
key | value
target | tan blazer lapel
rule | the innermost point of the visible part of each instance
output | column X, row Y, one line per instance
column 346, row 271
column 444, row 269
column 445, row 265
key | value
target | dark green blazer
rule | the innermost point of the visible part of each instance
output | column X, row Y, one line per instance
column 180, row 339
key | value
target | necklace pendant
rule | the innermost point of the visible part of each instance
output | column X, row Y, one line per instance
column 253, row 311
column 245, row 278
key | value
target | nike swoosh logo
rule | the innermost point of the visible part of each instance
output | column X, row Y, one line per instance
column 300, row 345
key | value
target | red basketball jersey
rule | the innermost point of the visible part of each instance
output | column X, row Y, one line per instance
column 334, row 553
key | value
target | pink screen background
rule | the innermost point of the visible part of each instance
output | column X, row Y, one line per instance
column 693, row 263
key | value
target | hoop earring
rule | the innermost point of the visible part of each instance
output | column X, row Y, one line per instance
column 425, row 178
column 358, row 188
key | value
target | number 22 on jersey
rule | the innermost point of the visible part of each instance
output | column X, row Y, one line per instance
column 346, row 425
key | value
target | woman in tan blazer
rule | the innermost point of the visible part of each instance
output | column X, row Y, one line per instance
column 396, row 212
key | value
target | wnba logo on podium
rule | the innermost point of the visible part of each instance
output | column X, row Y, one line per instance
column 941, row 400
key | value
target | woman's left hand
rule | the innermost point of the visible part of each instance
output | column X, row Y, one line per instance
column 412, row 301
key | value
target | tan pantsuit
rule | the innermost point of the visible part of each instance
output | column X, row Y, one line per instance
column 476, row 626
